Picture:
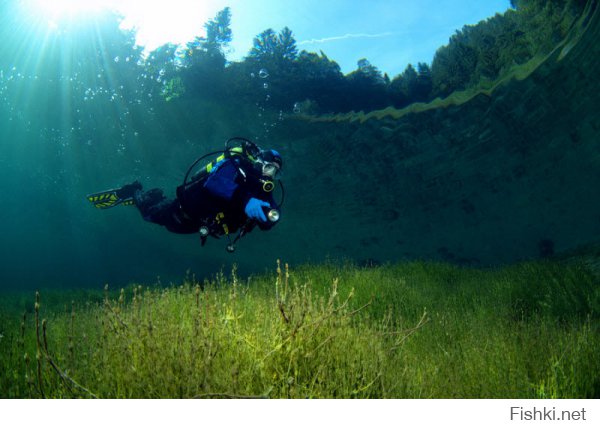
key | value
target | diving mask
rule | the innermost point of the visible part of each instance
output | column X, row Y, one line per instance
column 270, row 169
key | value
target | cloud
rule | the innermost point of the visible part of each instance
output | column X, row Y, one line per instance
column 344, row 37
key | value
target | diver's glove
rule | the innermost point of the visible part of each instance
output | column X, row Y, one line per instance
column 254, row 209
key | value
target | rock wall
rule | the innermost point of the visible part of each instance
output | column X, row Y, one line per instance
column 500, row 176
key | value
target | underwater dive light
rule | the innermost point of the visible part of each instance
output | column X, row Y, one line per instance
column 273, row 215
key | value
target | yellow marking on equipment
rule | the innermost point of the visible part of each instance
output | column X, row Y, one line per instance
column 219, row 217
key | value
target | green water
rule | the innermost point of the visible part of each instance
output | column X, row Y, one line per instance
column 82, row 110
column 79, row 113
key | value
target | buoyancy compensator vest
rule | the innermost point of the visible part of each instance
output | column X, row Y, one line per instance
column 247, row 152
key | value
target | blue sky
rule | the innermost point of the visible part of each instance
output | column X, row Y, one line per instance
column 389, row 33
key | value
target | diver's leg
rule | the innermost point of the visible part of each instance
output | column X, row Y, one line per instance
column 155, row 208
column 128, row 191
column 152, row 205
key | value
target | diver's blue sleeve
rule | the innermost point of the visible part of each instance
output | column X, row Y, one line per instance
column 221, row 181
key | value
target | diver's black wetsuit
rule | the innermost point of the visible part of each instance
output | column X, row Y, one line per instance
column 217, row 202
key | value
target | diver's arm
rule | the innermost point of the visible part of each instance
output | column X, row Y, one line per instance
column 264, row 226
column 228, row 182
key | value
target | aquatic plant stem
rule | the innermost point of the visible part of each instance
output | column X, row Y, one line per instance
column 38, row 355
column 64, row 377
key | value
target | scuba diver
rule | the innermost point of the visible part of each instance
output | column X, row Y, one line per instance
column 232, row 193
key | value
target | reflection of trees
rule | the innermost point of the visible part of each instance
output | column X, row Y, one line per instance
column 108, row 65
column 482, row 52
column 474, row 55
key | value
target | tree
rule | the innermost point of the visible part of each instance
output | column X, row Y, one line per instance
column 286, row 45
column 398, row 94
column 367, row 88
column 424, row 83
column 212, row 47
column 453, row 66
column 412, row 85
column 204, row 59
column 312, row 66
column 368, row 72
column 218, row 31
column 321, row 80
column 274, row 49
column 264, row 46
column 276, row 54
column 410, row 78
column 161, row 72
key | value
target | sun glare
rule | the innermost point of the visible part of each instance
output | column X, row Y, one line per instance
column 59, row 8
column 157, row 22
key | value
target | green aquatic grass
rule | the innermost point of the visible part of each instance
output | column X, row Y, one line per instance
column 410, row 330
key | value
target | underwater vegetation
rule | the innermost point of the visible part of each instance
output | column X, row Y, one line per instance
column 410, row 330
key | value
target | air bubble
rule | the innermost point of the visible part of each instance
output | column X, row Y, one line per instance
column 263, row 73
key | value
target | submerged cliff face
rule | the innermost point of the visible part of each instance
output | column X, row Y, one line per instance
column 503, row 175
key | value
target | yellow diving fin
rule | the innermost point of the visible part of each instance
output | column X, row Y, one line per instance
column 108, row 199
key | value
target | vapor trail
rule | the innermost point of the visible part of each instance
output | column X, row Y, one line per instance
column 345, row 36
